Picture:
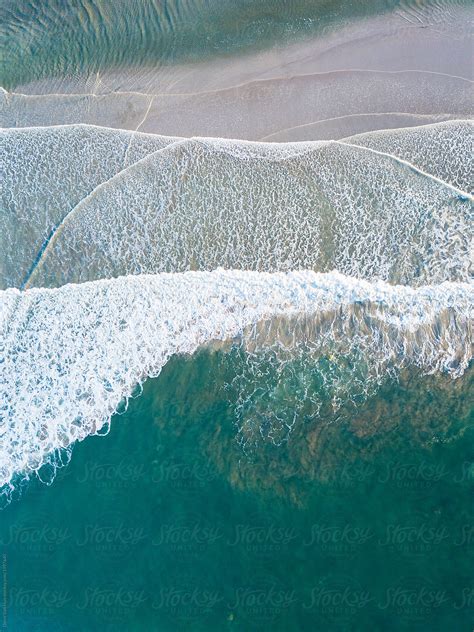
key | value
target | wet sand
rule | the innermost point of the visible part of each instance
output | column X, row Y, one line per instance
column 385, row 72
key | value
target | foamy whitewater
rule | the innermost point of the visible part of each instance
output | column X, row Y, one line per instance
column 72, row 354
column 157, row 204
column 114, row 245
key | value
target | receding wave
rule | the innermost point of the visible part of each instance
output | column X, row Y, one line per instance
column 271, row 105
column 72, row 355
column 198, row 204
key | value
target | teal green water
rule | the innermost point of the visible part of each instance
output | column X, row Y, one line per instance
column 165, row 524
column 200, row 510
column 58, row 38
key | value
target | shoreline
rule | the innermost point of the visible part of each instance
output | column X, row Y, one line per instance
column 259, row 96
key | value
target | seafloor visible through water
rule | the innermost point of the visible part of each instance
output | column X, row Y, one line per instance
column 165, row 525
column 236, row 308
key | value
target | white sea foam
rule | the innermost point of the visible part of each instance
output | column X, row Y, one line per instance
column 92, row 203
column 45, row 173
column 136, row 202
column 200, row 204
column 442, row 149
column 69, row 356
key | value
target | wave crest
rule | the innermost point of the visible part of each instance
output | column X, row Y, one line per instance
column 73, row 354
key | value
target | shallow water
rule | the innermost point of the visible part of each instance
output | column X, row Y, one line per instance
column 236, row 378
column 57, row 38
column 263, row 71
column 390, row 205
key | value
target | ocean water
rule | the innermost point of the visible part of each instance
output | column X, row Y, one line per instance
column 172, row 528
column 236, row 310
column 58, row 38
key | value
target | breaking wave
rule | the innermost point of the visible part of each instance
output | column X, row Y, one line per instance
column 160, row 217
column 71, row 356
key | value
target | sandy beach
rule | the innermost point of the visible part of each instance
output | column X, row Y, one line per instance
column 356, row 79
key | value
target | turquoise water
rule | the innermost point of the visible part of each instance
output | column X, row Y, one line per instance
column 236, row 381
column 165, row 525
